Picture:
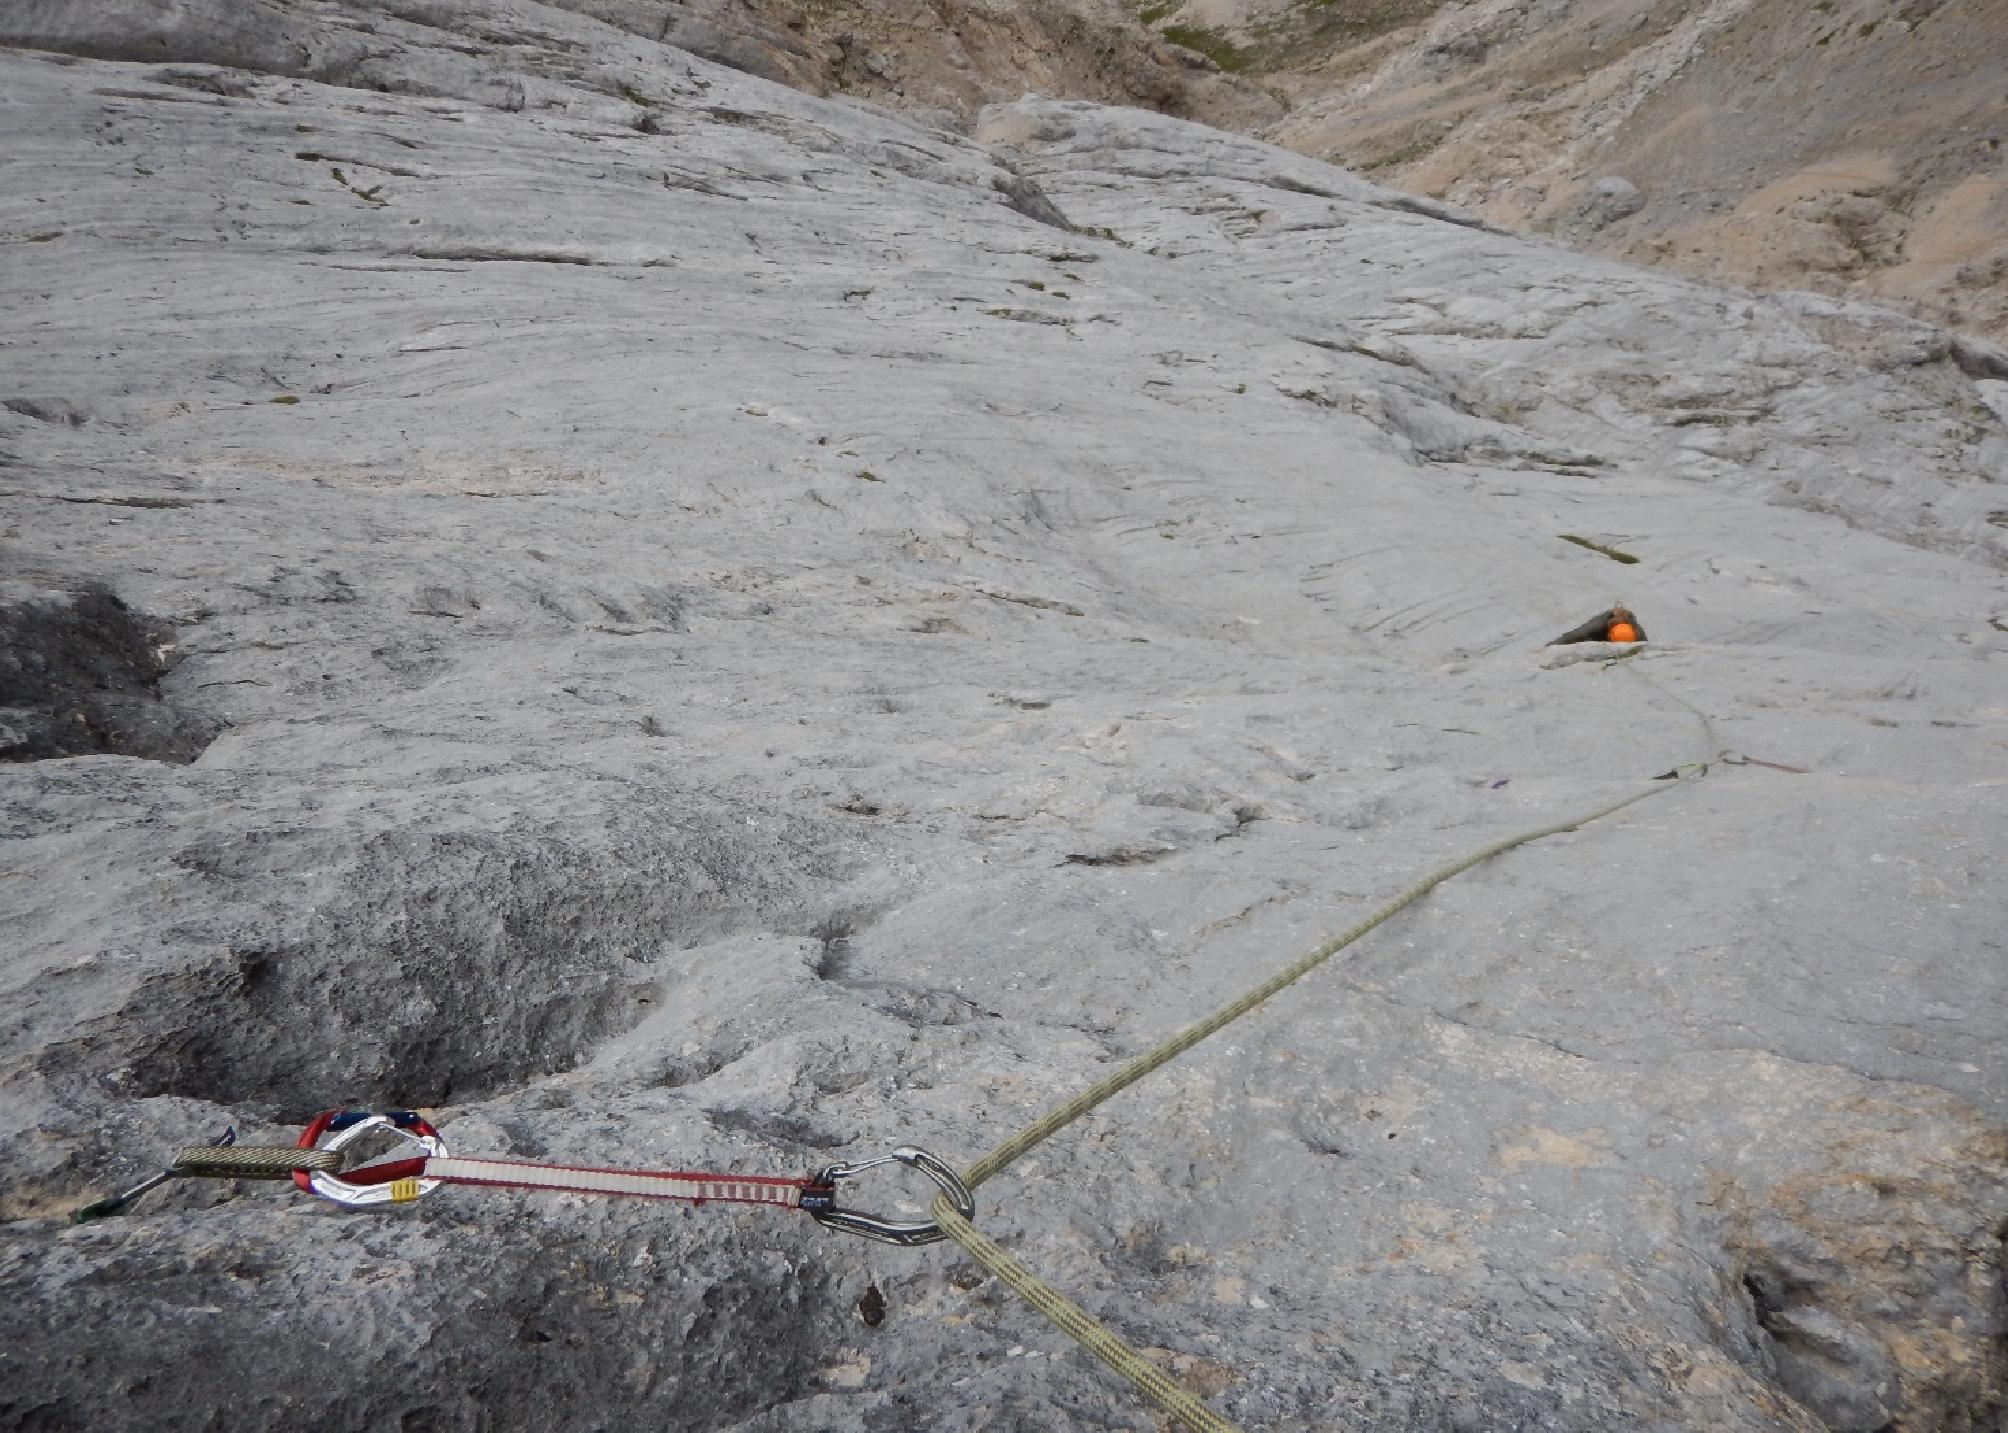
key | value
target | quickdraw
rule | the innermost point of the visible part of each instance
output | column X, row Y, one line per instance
column 317, row 1164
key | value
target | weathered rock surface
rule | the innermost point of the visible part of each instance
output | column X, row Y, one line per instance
column 736, row 640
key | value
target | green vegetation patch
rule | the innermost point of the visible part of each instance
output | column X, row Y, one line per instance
column 1210, row 43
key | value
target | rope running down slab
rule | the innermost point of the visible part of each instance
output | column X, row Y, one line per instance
column 1075, row 1321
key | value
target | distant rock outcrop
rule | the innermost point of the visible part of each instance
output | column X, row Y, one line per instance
column 1853, row 147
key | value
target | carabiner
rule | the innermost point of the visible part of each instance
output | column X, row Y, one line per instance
column 822, row 1207
column 394, row 1182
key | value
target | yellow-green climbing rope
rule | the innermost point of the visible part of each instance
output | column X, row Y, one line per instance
column 1150, row 1380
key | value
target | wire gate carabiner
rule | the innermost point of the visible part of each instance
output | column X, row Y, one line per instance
column 887, row 1231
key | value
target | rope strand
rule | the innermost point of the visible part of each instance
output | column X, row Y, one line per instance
column 1149, row 1380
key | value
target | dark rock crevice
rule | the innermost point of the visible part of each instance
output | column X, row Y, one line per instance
column 1024, row 196
column 79, row 676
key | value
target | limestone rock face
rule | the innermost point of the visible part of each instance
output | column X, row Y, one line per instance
column 1841, row 148
column 706, row 627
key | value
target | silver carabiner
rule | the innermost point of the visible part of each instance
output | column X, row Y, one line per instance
column 887, row 1231
column 391, row 1191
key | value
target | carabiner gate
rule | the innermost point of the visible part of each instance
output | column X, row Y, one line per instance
column 823, row 1209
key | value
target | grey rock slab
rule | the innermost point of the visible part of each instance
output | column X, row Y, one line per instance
column 728, row 645
column 1688, row 382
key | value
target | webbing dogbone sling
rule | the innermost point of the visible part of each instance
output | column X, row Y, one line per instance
column 399, row 1181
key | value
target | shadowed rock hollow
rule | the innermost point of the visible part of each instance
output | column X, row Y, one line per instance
column 740, row 630
column 79, row 673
